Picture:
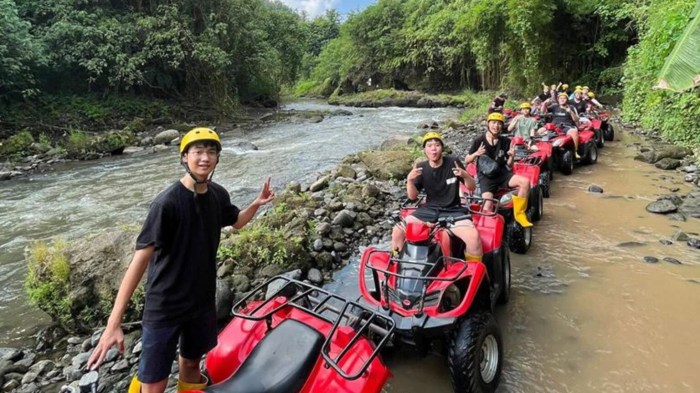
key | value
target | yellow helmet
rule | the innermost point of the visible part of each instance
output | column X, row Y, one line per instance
column 432, row 135
column 585, row 88
column 562, row 94
column 525, row 105
column 197, row 135
column 496, row 116
column 591, row 94
column 578, row 91
column 578, row 87
column 564, row 86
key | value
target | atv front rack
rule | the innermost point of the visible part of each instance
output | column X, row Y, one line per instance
column 429, row 276
column 326, row 306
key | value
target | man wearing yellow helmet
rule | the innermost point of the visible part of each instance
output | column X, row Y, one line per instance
column 498, row 148
column 590, row 98
column 523, row 124
column 564, row 116
column 439, row 178
column 178, row 245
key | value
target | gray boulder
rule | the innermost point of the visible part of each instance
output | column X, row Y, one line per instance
column 346, row 171
column 315, row 276
column 320, row 184
column 345, row 218
column 663, row 206
column 691, row 204
column 165, row 137
column 668, row 164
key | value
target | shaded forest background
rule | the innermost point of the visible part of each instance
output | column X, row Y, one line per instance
column 72, row 63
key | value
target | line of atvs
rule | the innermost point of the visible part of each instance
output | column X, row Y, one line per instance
column 289, row 336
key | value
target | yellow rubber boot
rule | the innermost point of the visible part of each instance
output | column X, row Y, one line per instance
column 135, row 385
column 578, row 157
column 519, row 206
column 473, row 258
column 185, row 386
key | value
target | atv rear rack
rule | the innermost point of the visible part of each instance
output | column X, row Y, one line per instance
column 320, row 303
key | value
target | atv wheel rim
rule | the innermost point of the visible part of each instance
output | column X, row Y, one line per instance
column 594, row 154
column 540, row 203
column 489, row 359
column 527, row 236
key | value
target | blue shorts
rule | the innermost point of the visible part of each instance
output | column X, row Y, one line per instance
column 159, row 345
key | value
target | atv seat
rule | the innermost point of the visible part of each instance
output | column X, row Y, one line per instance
column 280, row 363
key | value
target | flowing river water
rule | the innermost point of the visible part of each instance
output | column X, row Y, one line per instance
column 586, row 313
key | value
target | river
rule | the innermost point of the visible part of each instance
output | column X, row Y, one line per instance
column 587, row 314
column 81, row 198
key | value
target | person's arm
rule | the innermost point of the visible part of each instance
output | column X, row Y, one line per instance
column 244, row 216
column 596, row 103
column 460, row 172
column 512, row 124
column 573, row 113
column 113, row 334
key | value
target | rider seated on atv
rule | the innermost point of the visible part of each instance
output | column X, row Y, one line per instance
column 498, row 103
column 545, row 92
column 523, row 124
column 439, row 177
column 564, row 116
column 499, row 149
column 590, row 98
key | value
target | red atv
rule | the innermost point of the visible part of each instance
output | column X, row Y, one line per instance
column 433, row 294
column 300, row 339
column 563, row 147
column 532, row 160
column 608, row 131
column 594, row 124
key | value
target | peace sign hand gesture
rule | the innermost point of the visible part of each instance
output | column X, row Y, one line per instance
column 266, row 195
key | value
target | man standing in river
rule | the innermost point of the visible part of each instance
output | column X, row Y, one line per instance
column 178, row 245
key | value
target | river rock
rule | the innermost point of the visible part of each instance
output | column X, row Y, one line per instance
column 340, row 247
column 294, row 187
column 594, row 188
column 320, row 212
column 399, row 142
column 663, row 206
column 671, row 151
column 690, row 177
column 672, row 260
column 43, row 366
column 392, row 164
column 335, row 206
column 224, row 299
column 346, row 171
column 691, row 204
column 648, row 157
column 276, row 285
column 345, row 218
column 370, row 191
column 10, row 385
column 680, row 236
column 315, row 276
column 676, row 217
column 318, row 245
column 324, row 260
column 694, row 243
column 319, row 184
column 667, row 164
column 245, row 145
column 11, row 354
column 665, row 242
column 649, row 259
column 271, row 270
column 30, row 376
column 165, row 137
column 121, row 365
column 81, row 359
column 323, row 228
column 147, row 141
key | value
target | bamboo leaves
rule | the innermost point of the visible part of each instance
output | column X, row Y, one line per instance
column 681, row 71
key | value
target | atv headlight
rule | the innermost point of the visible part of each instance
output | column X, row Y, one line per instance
column 506, row 198
column 451, row 298
column 557, row 143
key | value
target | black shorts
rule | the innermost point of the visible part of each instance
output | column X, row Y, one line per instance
column 431, row 214
column 196, row 338
column 487, row 184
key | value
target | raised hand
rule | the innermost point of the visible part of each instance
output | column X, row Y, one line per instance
column 459, row 172
column 415, row 173
column 267, row 194
column 481, row 150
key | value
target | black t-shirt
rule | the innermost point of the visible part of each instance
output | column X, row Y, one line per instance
column 498, row 152
column 580, row 106
column 498, row 102
column 544, row 96
column 440, row 184
column 560, row 116
column 185, row 231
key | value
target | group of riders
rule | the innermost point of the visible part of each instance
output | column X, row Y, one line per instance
column 439, row 176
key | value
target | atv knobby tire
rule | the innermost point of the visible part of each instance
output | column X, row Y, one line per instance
column 546, row 183
column 535, row 203
column 591, row 156
column 475, row 354
column 519, row 238
column 504, row 297
column 600, row 139
column 609, row 133
column 566, row 165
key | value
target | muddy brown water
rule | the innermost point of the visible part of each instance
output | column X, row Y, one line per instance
column 587, row 314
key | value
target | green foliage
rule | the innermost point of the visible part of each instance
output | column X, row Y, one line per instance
column 20, row 54
column 48, row 279
column 17, row 145
column 681, row 70
column 280, row 237
column 77, row 144
column 478, row 44
column 675, row 115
